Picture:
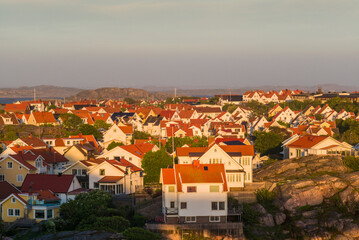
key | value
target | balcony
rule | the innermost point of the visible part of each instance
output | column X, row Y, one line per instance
column 171, row 211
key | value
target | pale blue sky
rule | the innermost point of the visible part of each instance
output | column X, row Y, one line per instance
column 224, row 43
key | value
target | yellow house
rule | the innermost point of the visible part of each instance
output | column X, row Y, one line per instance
column 39, row 206
column 276, row 109
column 14, row 170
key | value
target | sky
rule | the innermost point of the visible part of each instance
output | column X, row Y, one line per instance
column 178, row 43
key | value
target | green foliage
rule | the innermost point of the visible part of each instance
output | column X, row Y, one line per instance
column 138, row 220
column 349, row 130
column 299, row 105
column 2, row 228
column 48, row 227
column 137, row 233
column 85, row 208
column 140, row 135
column 179, row 142
column 52, row 106
column 213, row 100
column 10, row 136
column 87, row 129
column 71, row 122
column 259, row 109
column 318, row 117
column 113, row 224
column 268, row 143
column 351, row 162
column 339, row 103
column 287, row 125
column 129, row 101
column 170, row 100
column 152, row 163
column 229, row 107
column 113, row 145
column 250, row 216
column 101, row 124
column 266, row 198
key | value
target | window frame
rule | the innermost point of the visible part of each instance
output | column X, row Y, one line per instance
column 9, row 165
column 183, row 205
column 191, row 189
column 214, row 220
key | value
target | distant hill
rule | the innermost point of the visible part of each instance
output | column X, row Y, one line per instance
column 241, row 90
column 115, row 93
column 43, row 91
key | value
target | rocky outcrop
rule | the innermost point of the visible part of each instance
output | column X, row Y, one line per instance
column 319, row 195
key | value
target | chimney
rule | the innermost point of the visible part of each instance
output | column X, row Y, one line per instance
column 196, row 163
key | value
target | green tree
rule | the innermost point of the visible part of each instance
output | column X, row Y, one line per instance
column 113, row 145
column 129, row 100
column 137, row 233
column 179, row 142
column 259, row 109
column 52, row 106
column 71, row 122
column 101, row 124
column 152, row 163
column 10, row 136
column 139, row 135
column 87, row 129
column 318, row 117
column 85, row 208
column 229, row 107
column 268, row 143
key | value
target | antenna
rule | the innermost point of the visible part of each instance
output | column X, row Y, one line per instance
column 34, row 94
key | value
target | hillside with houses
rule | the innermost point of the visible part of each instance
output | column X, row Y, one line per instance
column 201, row 158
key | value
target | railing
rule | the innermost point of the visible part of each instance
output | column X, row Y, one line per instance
column 171, row 211
column 235, row 210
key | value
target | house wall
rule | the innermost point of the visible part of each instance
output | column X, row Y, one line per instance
column 74, row 155
column 200, row 203
column 94, row 174
column 9, row 205
column 11, row 173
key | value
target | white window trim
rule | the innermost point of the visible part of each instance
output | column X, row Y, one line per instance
column 45, row 214
column 17, row 178
column 7, row 165
column 13, row 200
column 219, row 219
column 195, row 219
column 14, row 210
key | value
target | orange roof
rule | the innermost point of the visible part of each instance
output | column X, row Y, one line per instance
column 200, row 173
column 307, row 141
column 245, row 150
column 44, row 117
column 126, row 129
column 184, row 151
column 168, row 176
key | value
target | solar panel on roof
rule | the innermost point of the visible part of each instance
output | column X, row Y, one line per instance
column 138, row 153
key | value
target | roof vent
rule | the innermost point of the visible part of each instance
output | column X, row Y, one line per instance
column 205, row 168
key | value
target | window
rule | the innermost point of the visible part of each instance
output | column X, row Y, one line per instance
column 102, row 172
column 83, row 172
column 183, row 205
column 49, row 213
column 19, row 178
column 172, row 204
column 39, row 214
column 214, row 206
column 214, row 219
column 191, row 189
column 13, row 200
column 74, row 171
column 221, row 206
column 17, row 212
column 20, row 166
column 38, row 163
column 171, row 188
column 130, row 158
column 9, row 165
column 95, row 185
column 2, row 177
column 214, row 188
column 190, row 219
column 13, row 212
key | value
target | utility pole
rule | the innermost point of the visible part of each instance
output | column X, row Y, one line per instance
column 175, row 93
column 173, row 149
column 34, row 94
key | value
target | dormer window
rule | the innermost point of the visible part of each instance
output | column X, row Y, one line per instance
column 38, row 163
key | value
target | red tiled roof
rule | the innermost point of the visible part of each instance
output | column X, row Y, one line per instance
column 126, row 129
column 55, row 183
column 307, row 141
column 6, row 189
column 44, row 117
column 110, row 179
column 168, row 176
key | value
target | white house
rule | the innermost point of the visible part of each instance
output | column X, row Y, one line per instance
column 194, row 193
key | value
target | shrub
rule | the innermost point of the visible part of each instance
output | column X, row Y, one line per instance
column 114, row 223
column 137, row 233
column 138, row 220
column 264, row 196
column 250, row 216
column 351, row 162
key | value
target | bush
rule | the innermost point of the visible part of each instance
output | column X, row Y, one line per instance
column 250, row 216
column 138, row 220
column 137, row 233
column 351, row 162
column 266, row 198
column 113, row 224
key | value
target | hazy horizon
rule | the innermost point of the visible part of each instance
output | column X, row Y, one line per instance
column 201, row 44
